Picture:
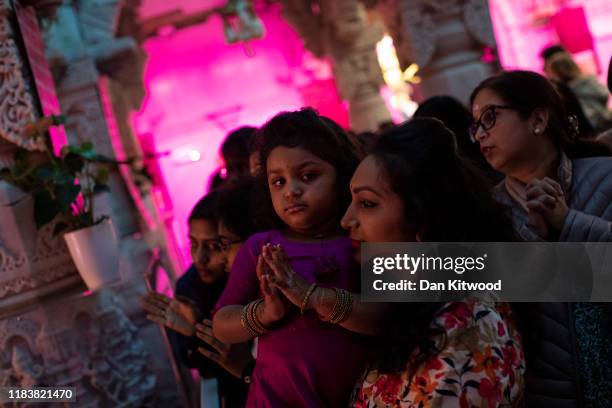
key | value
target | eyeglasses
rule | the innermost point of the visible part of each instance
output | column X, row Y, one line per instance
column 226, row 243
column 486, row 121
column 210, row 245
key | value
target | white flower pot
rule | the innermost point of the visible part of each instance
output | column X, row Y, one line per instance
column 95, row 253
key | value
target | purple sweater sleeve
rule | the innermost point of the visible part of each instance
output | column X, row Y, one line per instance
column 242, row 286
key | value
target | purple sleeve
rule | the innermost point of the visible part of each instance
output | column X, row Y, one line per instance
column 242, row 286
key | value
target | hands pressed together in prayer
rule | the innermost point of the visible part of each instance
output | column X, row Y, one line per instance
column 183, row 318
column 279, row 284
column 547, row 207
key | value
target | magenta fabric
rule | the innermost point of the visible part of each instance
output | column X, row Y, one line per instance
column 304, row 362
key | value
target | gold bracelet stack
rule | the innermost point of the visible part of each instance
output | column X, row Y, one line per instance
column 250, row 321
column 342, row 308
column 309, row 293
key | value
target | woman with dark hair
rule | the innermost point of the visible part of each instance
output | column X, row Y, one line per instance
column 457, row 118
column 558, row 190
column 413, row 186
column 523, row 131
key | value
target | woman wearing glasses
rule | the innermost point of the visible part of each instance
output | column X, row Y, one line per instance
column 558, row 189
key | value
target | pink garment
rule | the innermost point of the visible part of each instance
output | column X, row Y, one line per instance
column 304, row 362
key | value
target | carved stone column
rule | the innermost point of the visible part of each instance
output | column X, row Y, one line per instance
column 33, row 264
column 74, row 51
column 340, row 30
column 50, row 332
column 446, row 38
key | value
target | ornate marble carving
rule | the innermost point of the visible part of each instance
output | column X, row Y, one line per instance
column 478, row 21
column 83, row 341
column 308, row 24
column 89, row 344
column 16, row 107
column 340, row 29
column 445, row 38
column 30, row 260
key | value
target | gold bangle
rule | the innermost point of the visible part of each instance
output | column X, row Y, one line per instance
column 244, row 321
column 249, row 319
column 346, row 309
column 341, row 307
column 256, row 323
column 309, row 293
column 334, row 311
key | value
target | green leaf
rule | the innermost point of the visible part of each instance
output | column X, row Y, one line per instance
column 24, row 169
column 45, row 208
column 104, row 159
column 63, row 177
column 21, row 156
column 45, row 173
column 74, row 162
column 58, row 119
column 66, row 195
column 102, row 177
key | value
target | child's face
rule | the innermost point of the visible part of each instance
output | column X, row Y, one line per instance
column 209, row 263
column 303, row 189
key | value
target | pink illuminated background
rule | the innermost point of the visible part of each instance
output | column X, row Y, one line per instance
column 199, row 88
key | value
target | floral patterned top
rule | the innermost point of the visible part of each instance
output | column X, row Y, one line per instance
column 481, row 365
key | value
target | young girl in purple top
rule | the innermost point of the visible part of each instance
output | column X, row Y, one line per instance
column 303, row 360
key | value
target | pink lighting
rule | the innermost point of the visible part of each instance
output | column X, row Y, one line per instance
column 523, row 29
column 199, row 88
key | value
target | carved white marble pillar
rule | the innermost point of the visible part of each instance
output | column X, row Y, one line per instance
column 74, row 58
column 50, row 333
column 33, row 264
column 446, row 38
column 340, row 30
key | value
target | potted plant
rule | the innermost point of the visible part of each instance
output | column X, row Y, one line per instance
column 65, row 185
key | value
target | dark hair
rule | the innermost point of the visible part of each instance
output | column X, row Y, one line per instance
column 235, row 208
column 235, row 150
column 551, row 50
column 457, row 118
column 205, row 208
column 362, row 142
column 564, row 67
column 445, row 200
column 527, row 91
column 573, row 108
column 319, row 135
column 216, row 180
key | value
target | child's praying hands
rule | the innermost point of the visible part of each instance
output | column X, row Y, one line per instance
column 283, row 277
